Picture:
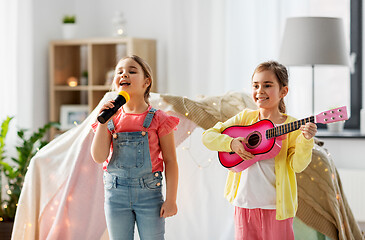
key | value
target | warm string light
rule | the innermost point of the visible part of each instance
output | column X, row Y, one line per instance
column 186, row 110
column 187, row 148
column 338, row 196
column 333, row 177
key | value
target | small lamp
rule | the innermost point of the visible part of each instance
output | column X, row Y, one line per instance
column 312, row 41
column 72, row 81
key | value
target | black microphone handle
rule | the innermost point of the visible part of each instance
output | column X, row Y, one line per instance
column 108, row 113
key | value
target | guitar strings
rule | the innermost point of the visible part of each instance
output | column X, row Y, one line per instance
column 283, row 129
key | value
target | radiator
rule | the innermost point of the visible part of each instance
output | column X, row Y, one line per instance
column 353, row 183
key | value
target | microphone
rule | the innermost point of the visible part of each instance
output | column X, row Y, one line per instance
column 119, row 101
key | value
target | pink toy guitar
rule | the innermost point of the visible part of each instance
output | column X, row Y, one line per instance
column 262, row 138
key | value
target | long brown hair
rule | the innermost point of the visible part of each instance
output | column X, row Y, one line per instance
column 147, row 73
column 281, row 74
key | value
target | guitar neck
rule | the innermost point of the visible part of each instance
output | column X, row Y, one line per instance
column 287, row 128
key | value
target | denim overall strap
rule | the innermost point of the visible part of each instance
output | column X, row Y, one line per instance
column 111, row 126
column 149, row 117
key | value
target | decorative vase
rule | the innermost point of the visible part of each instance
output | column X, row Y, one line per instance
column 69, row 30
column 335, row 127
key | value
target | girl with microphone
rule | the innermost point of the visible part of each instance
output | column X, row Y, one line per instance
column 129, row 146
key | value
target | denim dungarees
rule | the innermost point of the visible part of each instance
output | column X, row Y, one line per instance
column 132, row 192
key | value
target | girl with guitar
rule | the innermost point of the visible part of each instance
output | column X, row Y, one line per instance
column 265, row 193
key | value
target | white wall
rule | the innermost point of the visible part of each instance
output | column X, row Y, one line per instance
column 146, row 19
column 346, row 153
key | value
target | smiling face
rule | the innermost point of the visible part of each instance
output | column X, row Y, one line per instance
column 266, row 91
column 130, row 77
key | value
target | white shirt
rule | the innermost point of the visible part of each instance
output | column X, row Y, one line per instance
column 257, row 186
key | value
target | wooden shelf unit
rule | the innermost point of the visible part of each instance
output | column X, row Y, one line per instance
column 97, row 56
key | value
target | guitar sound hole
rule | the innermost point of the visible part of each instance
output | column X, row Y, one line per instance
column 253, row 140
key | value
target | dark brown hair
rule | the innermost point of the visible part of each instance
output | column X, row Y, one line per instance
column 147, row 73
column 281, row 74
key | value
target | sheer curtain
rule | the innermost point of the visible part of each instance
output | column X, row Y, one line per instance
column 196, row 54
column 8, row 57
column 214, row 47
column 8, row 67
column 16, row 66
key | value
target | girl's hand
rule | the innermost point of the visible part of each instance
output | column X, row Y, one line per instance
column 237, row 147
column 309, row 130
column 107, row 105
column 168, row 209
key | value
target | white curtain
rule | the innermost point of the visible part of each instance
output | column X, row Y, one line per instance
column 214, row 47
column 8, row 68
column 195, row 54
column 8, row 57
column 16, row 67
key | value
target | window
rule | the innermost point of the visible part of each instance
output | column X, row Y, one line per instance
column 356, row 77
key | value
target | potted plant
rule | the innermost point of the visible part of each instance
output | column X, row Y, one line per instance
column 69, row 26
column 15, row 168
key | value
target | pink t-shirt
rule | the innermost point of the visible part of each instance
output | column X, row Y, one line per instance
column 161, row 125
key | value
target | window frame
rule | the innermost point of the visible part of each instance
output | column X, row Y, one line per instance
column 356, row 77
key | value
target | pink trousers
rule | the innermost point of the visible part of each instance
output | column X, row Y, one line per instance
column 261, row 224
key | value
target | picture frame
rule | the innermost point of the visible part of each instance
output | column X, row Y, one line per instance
column 73, row 115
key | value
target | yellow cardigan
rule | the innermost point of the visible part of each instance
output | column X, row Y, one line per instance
column 294, row 156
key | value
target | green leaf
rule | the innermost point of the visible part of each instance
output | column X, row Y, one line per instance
column 26, row 149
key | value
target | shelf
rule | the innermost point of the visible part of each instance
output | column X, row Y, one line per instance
column 82, row 88
column 68, row 88
column 347, row 133
column 96, row 56
column 100, row 88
